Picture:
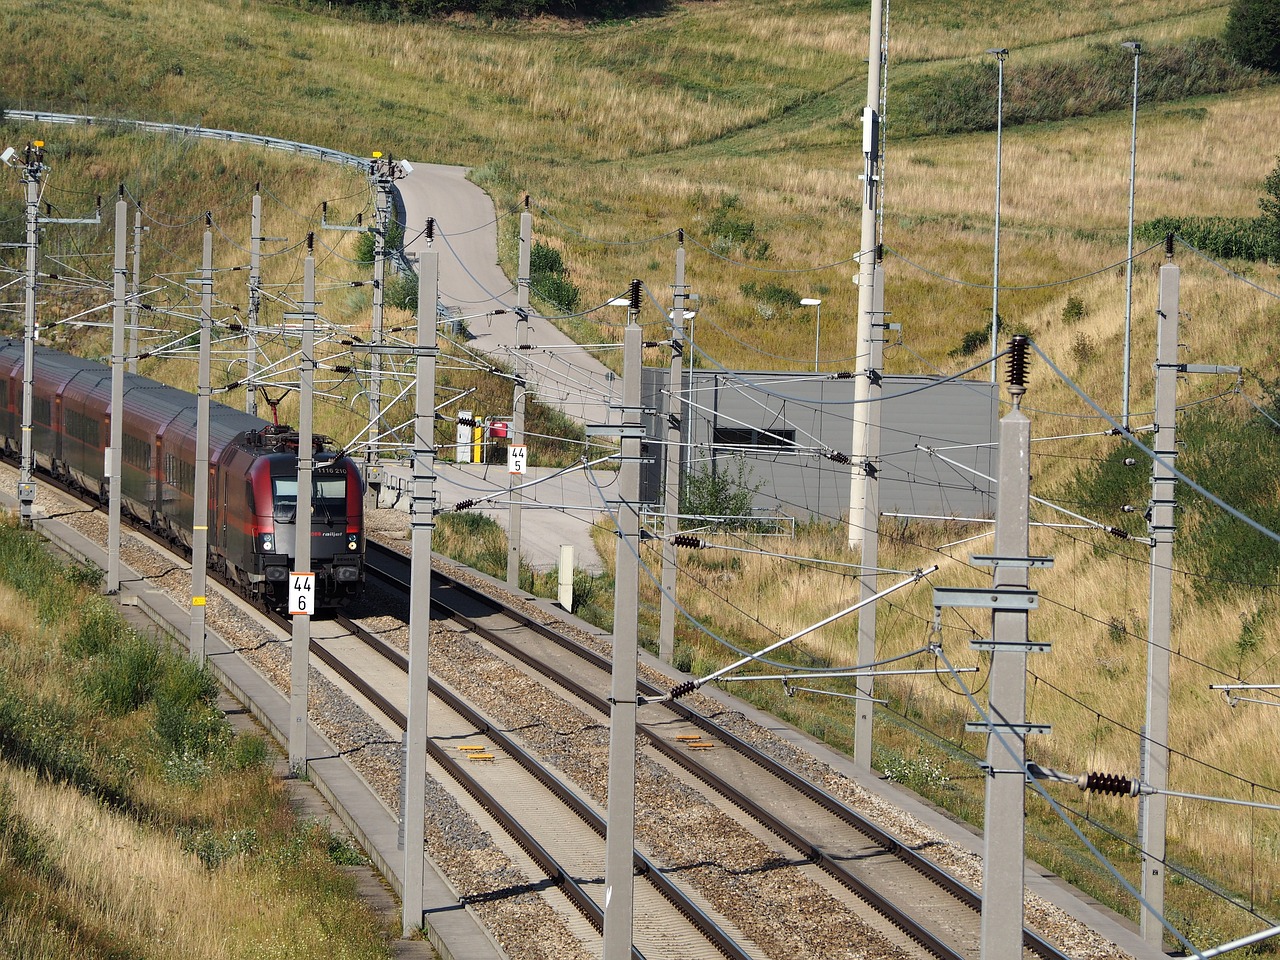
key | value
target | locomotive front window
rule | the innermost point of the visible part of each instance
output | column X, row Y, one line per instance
column 331, row 492
column 284, row 494
column 328, row 497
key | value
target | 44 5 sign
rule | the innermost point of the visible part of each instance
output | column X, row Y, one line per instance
column 302, row 594
column 517, row 458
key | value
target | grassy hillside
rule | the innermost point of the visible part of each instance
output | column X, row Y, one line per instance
column 126, row 798
column 738, row 121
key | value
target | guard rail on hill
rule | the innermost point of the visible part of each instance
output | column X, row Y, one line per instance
column 207, row 133
column 323, row 154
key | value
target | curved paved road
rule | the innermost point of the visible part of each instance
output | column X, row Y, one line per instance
column 563, row 374
column 558, row 508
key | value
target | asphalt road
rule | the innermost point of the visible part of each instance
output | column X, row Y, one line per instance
column 556, row 508
column 555, row 511
column 563, row 374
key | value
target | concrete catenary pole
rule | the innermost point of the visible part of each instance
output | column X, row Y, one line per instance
column 1155, row 742
column 619, row 879
column 520, row 390
column 135, row 289
column 1136, row 47
column 674, row 460
column 255, row 303
column 1003, row 839
column 422, row 524
column 200, row 502
column 32, row 171
column 865, row 409
column 300, row 663
column 863, row 724
column 115, row 468
column 381, row 173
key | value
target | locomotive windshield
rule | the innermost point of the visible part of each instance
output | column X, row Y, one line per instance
column 328, row 497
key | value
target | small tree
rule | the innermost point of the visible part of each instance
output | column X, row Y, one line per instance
column 1270, row 205
column 1253, row 33
column 709, row 492
column 365, row 242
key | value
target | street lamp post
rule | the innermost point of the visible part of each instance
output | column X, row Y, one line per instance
column 1136, row 47
column 1000, row 53
column 817, row 333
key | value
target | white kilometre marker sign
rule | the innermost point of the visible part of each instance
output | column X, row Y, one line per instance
column 302, row 594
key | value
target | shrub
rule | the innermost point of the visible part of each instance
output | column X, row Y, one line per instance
column 1073, row 310
column 247, row 751
column 188, row 722
column 730, row 229
column 1270, row 206
column 402, row 291
column 1253, row 33
column 962, row 98
column 549, row 277
column 1082, row 348
column 123, row 677
column 544, row 258
column 557, row 290
column 971, row 342
column 712, row 492
column 365, row 242
column 774, row 294
column 100, row 629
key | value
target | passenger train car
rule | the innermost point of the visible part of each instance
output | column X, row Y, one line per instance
column 253, row 472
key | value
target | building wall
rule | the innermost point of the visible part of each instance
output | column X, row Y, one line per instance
column 781, row 424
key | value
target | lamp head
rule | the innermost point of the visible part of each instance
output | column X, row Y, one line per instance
column 1133, row 45
column 1000, row 52
column 7, row 157
column 810, row 302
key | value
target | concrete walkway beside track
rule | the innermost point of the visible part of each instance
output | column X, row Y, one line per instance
column 558, row 507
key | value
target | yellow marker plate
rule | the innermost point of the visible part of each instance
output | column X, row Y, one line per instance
column 479, row 756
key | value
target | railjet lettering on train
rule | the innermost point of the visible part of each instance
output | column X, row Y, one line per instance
column 253, row 472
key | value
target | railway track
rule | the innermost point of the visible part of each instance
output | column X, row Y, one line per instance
column 819, row 836
column 937, row 912
column 528, row 801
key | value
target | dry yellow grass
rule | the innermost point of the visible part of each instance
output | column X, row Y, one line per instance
column 147, row 888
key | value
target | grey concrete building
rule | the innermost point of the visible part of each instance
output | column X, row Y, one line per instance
column 780, row 430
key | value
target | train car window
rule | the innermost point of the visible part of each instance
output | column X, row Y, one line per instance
column 82, row 428
column 179, row 474
column 136, row 452
column 42, row 411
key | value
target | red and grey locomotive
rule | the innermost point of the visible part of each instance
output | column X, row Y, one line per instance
column 253, row 472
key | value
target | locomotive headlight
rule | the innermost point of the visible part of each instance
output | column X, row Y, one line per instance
column 266, row 542
column 353, row 541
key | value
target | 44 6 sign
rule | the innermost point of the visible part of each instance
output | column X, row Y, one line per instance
column 302, row 594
